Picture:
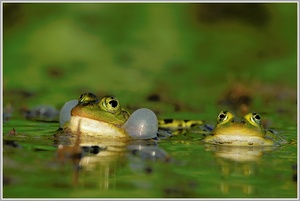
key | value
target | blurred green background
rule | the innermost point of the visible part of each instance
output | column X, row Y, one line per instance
column 182, row 60
column 179, row 59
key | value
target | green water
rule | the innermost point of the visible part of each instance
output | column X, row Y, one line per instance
column 180, row 166
column 181, row 60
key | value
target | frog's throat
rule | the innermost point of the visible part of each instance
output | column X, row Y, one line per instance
column 94, row 128
column 238, row 140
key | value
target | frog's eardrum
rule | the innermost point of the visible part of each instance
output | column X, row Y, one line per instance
column 142, row 124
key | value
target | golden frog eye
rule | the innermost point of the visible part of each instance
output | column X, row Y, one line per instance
column 225, row 116
column 110, row 104
column 255, row 118
column 87, row 98
column 222, row 116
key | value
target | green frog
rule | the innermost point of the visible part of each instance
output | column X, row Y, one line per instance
column 248, row 131
column 175, row 124
column 107, row 110
column 106, row 118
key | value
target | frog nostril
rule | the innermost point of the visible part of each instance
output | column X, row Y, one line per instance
column 113, row 103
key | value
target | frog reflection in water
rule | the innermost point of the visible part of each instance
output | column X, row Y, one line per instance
column 247, row 131
column 106, row 118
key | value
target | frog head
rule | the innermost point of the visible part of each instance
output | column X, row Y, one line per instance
column 231, row 130
column 107, row 111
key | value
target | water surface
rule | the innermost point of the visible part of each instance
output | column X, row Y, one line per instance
column 181, row 166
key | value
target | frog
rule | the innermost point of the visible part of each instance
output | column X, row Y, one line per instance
column 107, row 109
column 175, row 124
column 178, row 127
column 247, row 131
column 88, row 107
column 106, row 118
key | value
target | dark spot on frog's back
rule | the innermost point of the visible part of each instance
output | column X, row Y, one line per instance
column 168, row 121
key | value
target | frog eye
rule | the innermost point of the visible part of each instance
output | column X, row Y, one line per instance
column 81, row 96
column 87, row 98
column 255, row 118
column 222, row 116
column 225, row 117
column 110, row 104
column 113, row 103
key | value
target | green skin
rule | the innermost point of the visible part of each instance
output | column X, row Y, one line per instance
column 98, row 118
column 106, row 110
column 229, row 129
column 248, row 131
